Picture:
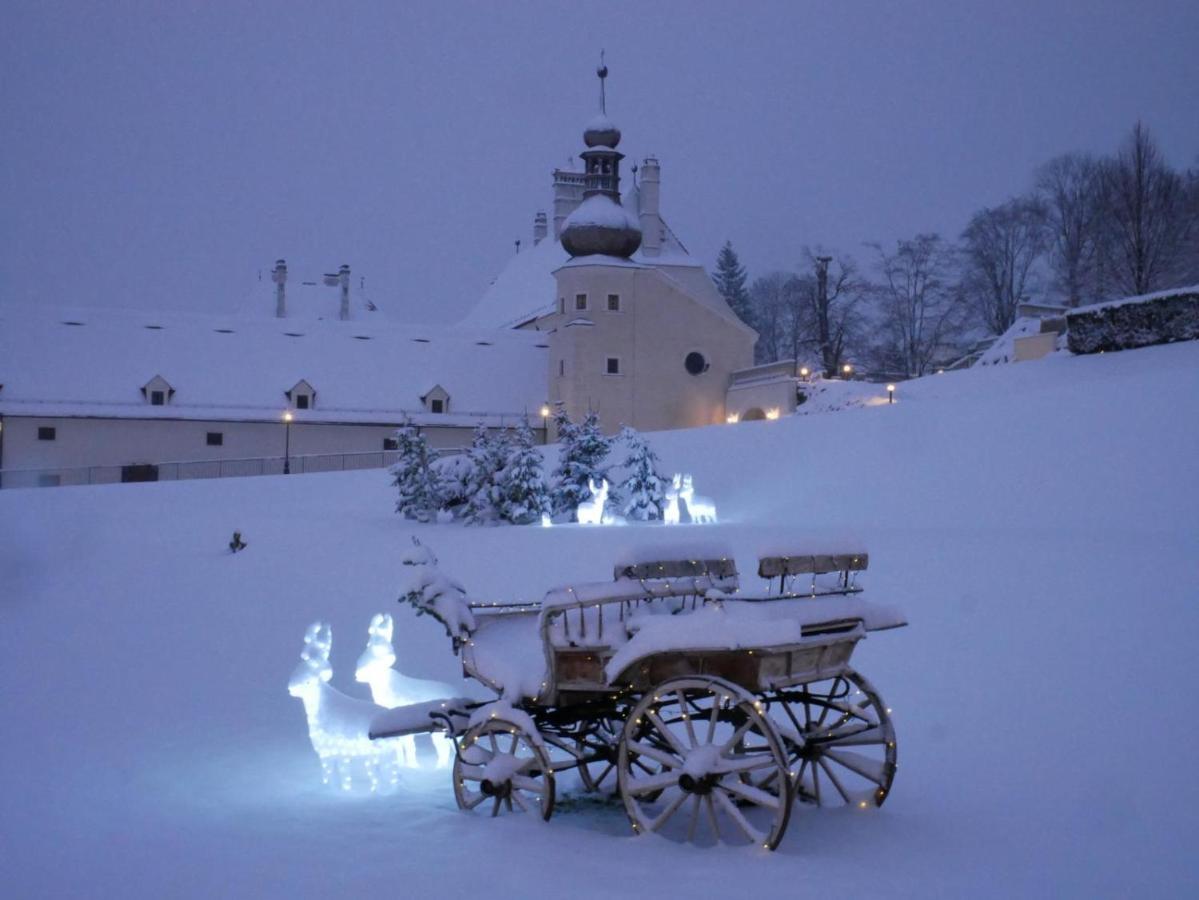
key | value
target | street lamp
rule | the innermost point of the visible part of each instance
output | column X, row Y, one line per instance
column 545, row 423
column 804, row 372
column 890, row 393
column 847, row 370
column 287, row 417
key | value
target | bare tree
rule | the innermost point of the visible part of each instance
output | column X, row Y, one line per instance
column 922, row 309
column 773, row 302
column 1149, row 218
column 832, row 299
column 1001, row 248
column 1069, row 188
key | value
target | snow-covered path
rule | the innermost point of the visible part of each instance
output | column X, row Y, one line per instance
column 1038, row 523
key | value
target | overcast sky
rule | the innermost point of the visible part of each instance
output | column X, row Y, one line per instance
column 162, row 154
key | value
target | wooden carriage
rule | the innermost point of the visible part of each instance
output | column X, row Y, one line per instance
column 709, row 709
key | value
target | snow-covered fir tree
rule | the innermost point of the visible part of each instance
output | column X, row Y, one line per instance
column 416, row 482
column 523, row 496
column 643, row 487
column 730, row 280
column 488, row 454
column 580, row 461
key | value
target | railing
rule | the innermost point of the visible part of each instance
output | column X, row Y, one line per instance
column 202, row 468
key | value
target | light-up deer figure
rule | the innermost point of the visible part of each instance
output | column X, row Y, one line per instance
column 591, row 512
column 390, row 688
column 339, row 726
column 670, row 512
column 700, row 508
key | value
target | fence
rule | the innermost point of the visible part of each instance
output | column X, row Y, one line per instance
column 202, row 468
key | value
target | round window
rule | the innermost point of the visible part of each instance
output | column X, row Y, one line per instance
column 695, row 363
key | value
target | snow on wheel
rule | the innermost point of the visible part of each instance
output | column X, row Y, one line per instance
column 700, row 761
column 839, row 738
column 500, row 767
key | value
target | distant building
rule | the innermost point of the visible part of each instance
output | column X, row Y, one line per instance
column 608, row 313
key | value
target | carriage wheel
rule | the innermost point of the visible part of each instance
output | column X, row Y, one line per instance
column 600, row 774
column 502, row 768
column 839, row 738
column 685, row 749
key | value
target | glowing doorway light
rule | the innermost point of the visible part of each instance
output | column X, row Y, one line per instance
column 390, row 688
column 339, row 726
column 772, row 413
column 732, row 418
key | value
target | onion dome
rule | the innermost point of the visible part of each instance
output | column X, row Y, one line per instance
column 601, row 132
column 601, row 227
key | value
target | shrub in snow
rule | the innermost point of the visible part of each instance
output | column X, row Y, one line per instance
column 415, row 480
column 390, row 688
column 430, row 592
column 488, row 455
column 237, row 543
column 1136, row 322
column 522, row 495
column 455, row 475
column 339, row 726
column 580, row 461
column 643, row 488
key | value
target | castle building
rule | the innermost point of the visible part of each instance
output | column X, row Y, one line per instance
column 607, row 313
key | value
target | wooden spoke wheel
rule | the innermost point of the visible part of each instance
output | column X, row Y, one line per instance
column 695, row 763
column 597, row 753
column 839, row 740
column 501, row 768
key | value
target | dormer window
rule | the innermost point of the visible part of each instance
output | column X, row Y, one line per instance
column 157, row 391
column 302, row 396
column 437, row 400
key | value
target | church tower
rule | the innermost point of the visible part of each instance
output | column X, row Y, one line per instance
column 640, row 337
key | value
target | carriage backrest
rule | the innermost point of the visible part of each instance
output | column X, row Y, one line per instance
column 677, row 568
column 812, row 564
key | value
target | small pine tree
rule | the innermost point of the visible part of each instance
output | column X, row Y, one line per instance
column 488, row 454
column 730, row 280
column 580, row 461
column 523, row 497
column 413, row 476
column 643, row 487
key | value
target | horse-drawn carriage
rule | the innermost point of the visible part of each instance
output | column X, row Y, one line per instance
column 710, row 709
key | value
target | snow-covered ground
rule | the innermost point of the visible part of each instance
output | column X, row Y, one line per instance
column 1039, row 522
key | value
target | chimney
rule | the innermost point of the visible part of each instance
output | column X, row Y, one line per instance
column 651, row 223
column 540, row 228
column 568, row 193
column 343, row 276
column 279, row 276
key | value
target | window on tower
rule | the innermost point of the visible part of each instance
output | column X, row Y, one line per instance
column 613, row 365
column 580, row 301
column 614, row 303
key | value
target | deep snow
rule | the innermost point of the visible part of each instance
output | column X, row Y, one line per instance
column 1037, row 522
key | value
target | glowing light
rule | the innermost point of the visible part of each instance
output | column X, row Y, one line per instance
column 339, row 726
column 732, row 418
column 287, row 416
column 772, row 413
column 890, row 393
column 545, row 411
column 390, row 688
column 546, row 522
column 847, row 369
column 804, row 372
column 702, row 509
column 591, row 512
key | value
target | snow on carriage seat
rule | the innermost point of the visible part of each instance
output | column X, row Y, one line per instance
column 734, row 625
column 506, row 653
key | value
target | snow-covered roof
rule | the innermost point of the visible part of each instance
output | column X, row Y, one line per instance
column 525, row 289
column 95, row 361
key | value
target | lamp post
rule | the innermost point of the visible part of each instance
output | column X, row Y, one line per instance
column 890, row 393
column 804, row 372
column 847, row 370
column 545, row 423
column 287, row 417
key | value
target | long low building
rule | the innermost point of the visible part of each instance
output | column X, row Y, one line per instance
column 121, row 392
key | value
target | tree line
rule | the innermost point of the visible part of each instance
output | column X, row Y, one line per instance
column 1089, row 229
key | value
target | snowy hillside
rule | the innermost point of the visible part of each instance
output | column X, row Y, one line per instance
column 1038, row 522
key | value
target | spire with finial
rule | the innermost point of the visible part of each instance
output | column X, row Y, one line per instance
column 600, row 226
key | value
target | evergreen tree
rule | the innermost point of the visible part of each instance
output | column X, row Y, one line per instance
column 523, row 497
column 488, row 454
column 417, row 484
column 580, row 461
column 730, row 280
column 643, row 487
